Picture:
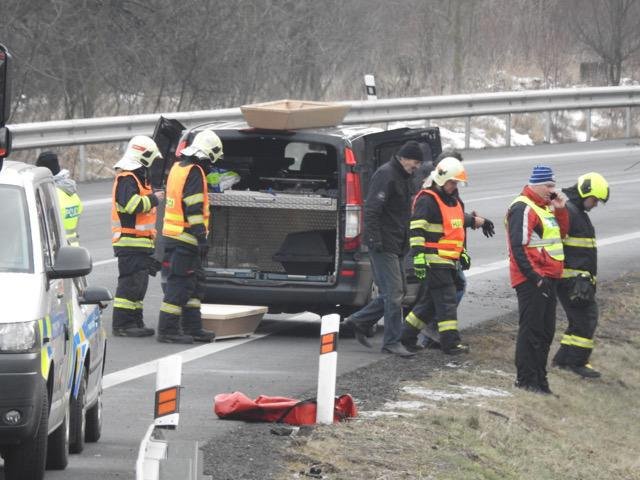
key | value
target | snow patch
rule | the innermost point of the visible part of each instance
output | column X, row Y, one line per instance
column 407, row 405
column 379, row 413
column 467, row 392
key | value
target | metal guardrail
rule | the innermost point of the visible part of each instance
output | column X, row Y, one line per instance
column 114, row 129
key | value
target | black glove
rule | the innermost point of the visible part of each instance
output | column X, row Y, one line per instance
column 465, row 260
column 488, row 228
column 545, row 286
column 153, row 266
column 203, row 251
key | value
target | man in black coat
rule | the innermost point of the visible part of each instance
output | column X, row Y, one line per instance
column 387, row 212
column 577, row 288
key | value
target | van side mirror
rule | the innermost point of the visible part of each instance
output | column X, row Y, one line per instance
column 5, row 102
column 95, row 296
column 70, row 262
column 5, row 85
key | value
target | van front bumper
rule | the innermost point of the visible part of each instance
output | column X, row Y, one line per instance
column 21, row 389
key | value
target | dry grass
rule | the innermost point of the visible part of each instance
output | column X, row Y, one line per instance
column 589, row 430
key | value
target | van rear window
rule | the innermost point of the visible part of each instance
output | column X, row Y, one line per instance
column 15, row 246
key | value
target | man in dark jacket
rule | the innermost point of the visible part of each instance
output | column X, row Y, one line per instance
column 577, row 288
column 386, row 221
column 536, row 222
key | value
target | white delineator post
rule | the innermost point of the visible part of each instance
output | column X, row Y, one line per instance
column 167, row 403
column 327, row 368
column 370, row 87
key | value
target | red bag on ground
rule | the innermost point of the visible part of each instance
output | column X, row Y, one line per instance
column 237, row 406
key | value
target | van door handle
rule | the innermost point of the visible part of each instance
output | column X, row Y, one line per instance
column 59, row 295
column 264, row 199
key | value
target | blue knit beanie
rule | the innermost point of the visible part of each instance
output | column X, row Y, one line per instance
column 541, row 174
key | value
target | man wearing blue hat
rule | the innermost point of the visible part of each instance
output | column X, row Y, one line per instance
column 536, row 222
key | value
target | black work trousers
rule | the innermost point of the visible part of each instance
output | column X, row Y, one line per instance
column 438, row 303
column 537, row 310
column 133, row 280
column 180, row 309
column 577, row 343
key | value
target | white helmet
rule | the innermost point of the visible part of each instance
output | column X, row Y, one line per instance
column 141, row 152
column 205, row 145
column 449, row 168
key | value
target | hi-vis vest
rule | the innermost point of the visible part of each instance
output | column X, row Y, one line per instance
column 175, row 222
column 71, row 208
column 144, row 230
column 451, row 244
column 551, row 242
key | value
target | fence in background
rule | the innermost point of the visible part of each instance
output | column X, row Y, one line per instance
column 117, row 129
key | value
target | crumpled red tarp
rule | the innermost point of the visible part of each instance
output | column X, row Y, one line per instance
column 237, row 406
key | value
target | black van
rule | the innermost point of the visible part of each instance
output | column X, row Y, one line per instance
column 288, row 234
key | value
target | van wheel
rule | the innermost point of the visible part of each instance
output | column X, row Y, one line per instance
column 94, row 420
column 58, row 448
column 26, row 461
column 77, row 422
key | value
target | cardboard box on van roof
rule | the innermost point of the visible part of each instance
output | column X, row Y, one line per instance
column 293, row 114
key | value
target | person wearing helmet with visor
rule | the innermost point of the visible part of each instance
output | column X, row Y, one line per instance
column 437, row 236
column 536, row 222
column 133, row 221
column 185, row 230
column 577, row 288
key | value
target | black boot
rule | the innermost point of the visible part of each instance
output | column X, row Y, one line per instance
column 174, row 338
column 203, row 336
column 409, row 338
column 133, row 332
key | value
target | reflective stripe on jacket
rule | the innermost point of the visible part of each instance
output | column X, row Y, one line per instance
column 130, row 229
column 449, row 241
column 176, row 223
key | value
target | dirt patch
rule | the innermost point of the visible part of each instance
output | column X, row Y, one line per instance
column 442, row 417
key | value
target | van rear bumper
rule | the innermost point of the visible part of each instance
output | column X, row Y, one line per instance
column 348, row 291
column 21, row 389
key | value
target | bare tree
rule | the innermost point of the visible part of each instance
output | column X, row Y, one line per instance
column 611, row 29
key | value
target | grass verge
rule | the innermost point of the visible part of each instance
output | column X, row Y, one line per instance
column 461, row 418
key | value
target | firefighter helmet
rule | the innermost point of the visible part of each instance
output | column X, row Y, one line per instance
column 205, row 145
column 448, row 168
column 593, row 184
column 141, row 152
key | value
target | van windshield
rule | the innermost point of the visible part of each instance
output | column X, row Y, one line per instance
column 15, row 239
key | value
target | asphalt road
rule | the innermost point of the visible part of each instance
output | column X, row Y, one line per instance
column 282, row 359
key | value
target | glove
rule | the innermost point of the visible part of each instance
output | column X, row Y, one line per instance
column 420, row 266
column 488, row 228
column 465, row 260
column 203, row 251
column 154, row 266
column 545, row 286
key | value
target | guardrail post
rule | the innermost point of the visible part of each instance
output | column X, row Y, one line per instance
column 588, row 126
column 467, row 131
column 507, row 131
column 327, row 368
column 547, row 126
column 82, row 158
column 628, row 122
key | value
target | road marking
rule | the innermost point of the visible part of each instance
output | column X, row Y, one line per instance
column 555, row 155
column 511, row 195
column 99, row 201
column 500, row 264
column 104, row 262
column 147, row 368
column 137, row 371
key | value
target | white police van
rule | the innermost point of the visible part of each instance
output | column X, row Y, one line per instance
column 52, row 342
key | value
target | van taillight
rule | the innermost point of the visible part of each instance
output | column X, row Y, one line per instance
column 353, row 217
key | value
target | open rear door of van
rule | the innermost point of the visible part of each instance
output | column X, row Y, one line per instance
column 167, row 134
column 380, row 147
